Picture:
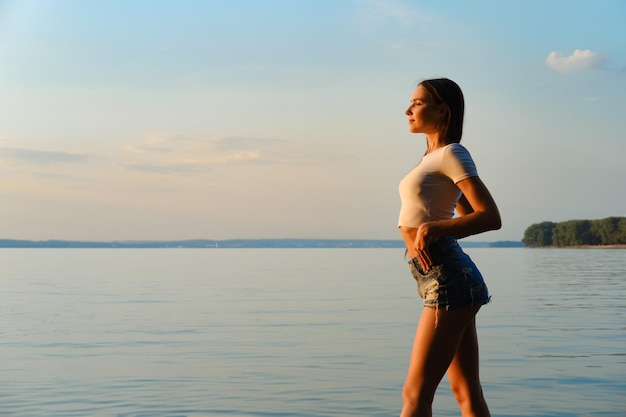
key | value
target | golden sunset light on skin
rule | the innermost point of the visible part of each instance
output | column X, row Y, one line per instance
column 445, row 181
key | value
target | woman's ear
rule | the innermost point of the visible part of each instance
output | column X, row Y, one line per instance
column 442, row 113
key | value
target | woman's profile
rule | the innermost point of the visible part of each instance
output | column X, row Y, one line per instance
column 452, row 288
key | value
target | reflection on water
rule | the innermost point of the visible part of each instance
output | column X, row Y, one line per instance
column 566, row 332
column 296, row 332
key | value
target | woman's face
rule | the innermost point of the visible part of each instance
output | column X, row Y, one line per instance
column 424, row 114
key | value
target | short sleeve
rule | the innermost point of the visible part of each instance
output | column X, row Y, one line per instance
column 457, row 163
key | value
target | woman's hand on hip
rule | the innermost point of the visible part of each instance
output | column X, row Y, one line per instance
column 422, row 241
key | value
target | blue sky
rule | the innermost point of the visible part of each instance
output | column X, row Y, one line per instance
column 270, row 119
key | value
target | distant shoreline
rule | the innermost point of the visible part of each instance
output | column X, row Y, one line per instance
column 580, row 247
column 261, row 243
column 235, row 243
column 583, row 247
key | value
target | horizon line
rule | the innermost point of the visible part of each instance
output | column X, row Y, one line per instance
column 226, row 239
column 276, row 243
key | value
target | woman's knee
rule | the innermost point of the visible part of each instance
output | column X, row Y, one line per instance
column 460, row 391
column 467, row 395
column 417, row 393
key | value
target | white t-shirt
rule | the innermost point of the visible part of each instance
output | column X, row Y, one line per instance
column 428, row 192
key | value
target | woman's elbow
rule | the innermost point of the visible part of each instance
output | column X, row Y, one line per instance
column 496, row 221
column 491, row 220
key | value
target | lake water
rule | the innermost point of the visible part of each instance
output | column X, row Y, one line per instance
column 296, row 332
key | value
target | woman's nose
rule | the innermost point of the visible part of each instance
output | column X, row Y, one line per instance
column 408, row 111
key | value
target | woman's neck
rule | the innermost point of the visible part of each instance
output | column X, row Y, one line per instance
column 434, row 142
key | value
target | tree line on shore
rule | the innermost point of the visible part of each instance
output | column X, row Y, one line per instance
column 608, row 231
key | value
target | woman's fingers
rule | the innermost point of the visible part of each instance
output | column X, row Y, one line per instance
column 425, row 260
column 422, row 241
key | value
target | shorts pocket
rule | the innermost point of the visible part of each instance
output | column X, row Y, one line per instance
column 427, row 282
column 477, row 288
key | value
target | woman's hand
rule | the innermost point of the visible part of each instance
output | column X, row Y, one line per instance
column 422, row 241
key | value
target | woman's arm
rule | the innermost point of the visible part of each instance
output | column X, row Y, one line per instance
column 463, row 206
column 477, row 213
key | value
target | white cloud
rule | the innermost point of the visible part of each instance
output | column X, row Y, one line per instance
column 579, row 60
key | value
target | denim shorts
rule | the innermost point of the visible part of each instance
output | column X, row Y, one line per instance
column 453, row 281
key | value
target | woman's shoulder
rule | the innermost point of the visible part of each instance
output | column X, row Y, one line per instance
column 455, row 147
column 458, row 162
column 457, row 150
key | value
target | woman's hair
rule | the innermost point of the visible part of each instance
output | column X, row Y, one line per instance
column 448, row 93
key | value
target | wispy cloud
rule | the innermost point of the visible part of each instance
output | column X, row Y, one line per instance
column 188, row 154
column 579, row 60
column 402, row 26
column 591, row 99
column 374, row 13
column 165, row 168
column 41, row 157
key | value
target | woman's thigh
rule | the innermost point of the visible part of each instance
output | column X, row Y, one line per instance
column 463, row 371
column 437, row 338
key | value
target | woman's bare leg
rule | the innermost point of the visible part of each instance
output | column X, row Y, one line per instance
column 437, row 338
column 464, row 377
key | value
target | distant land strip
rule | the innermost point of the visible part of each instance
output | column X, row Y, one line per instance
column 235, row 243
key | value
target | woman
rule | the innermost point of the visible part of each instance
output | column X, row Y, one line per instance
column 451, row 286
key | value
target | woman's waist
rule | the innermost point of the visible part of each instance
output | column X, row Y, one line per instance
column 437, row 248
column 408, row 231
column 412, row 217
column 408, row 235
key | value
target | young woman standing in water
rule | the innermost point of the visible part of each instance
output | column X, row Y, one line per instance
column 449, row 283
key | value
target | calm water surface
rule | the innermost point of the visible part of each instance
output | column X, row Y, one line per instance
column 296, row 332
